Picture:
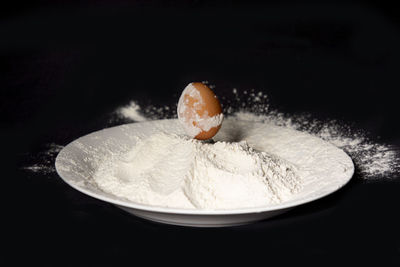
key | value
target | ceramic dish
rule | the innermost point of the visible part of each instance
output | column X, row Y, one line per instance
column 77, row 162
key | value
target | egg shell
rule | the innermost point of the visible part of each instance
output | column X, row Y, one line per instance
column 199, row 111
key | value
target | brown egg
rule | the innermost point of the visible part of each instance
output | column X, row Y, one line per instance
column 199, row 111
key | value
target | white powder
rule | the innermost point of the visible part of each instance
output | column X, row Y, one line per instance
column 44, row 160
column 207, row 123
column 131, row 111
column 175, row 171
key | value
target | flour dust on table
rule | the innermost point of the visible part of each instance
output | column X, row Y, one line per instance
column 43, row 162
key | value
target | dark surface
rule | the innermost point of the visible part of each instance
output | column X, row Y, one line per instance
column 65, row 67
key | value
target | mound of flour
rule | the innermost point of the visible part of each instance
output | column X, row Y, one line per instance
column 175, row 171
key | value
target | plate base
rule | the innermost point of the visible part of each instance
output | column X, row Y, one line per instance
column 206, row 220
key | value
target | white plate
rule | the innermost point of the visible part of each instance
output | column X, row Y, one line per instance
column 77, row 162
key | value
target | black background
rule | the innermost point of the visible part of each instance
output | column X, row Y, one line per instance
column 64, row 67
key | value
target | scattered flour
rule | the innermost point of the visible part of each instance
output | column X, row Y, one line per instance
column 44, row 160
column 372, row 160
column 131, row 111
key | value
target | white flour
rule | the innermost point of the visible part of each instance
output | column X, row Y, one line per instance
column 174, row 171
column 132, row 111
column 44, row 160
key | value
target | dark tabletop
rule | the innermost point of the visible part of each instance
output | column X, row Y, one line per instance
column 64, row 68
